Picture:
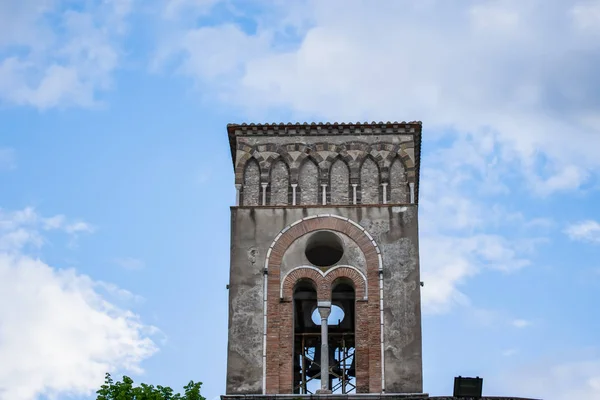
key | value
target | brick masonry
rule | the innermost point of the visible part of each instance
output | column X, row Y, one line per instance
column 280, row 311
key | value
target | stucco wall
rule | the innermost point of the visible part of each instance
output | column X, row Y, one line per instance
column 394, row 228
column 295, row 255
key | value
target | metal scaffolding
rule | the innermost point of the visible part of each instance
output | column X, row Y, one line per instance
column 342, row 372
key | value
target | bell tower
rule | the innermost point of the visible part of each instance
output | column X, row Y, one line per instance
column 324, row 290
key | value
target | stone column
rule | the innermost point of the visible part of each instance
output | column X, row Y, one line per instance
column 294, row 186
column 384, row 185
column 238, row 188
column 412, row 192
column 324, row 185
column 354, row 185
column 264, row 193
column 324, row 311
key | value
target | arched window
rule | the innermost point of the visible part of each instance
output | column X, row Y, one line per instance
column 340, row 338
column 251, row 188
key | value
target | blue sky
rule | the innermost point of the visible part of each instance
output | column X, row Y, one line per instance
column 116, row 178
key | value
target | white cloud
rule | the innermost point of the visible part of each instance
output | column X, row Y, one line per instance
column 22, row 228
column 60, row 333
column 586, row 15
column 481, row 67
column 521, row 323
column 565, row 380
column 52, row 56
column 446, row 262
column 130, row 263
column 500, row 108
column 586, row 231
column 175, row 8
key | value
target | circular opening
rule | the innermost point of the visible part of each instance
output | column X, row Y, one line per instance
column 324, row 249
column 335, row 316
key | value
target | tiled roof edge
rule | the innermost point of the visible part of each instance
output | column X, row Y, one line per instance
column 231, row 128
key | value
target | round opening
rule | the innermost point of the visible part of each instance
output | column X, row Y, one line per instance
column 336, row 316
column 324, row 249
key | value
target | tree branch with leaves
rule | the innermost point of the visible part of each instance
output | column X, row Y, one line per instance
column 124, row 390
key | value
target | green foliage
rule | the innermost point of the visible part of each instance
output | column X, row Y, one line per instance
column 125, row 391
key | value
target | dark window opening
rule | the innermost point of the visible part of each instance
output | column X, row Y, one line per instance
column 324, row 249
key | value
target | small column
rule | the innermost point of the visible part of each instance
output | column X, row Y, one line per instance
column 294, row 186
column 238, row 189
column 264, row 193
column 324, row 311
column 384, row 184
column 412, row 192
column 354, row 185
column 324, row 185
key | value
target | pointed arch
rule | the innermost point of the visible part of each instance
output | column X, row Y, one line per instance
column 308, row 181
column 251, row 186
column 280, row 183
column 398, row 183
column 339, row 182
column 369, row 181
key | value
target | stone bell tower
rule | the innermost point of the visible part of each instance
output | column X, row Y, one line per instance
column 324, row 293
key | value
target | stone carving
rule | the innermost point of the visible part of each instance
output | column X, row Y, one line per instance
column 252, row 254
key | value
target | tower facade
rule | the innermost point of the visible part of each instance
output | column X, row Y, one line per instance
column 324, row 290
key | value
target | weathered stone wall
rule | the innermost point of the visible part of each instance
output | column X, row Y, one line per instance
column 339, row 183
column 369, row 182
column 251, row 189
column 308, row 182
column 280, row 183
column 334, row 161
column 295, row 256
column 394, row 229
column 398, row 183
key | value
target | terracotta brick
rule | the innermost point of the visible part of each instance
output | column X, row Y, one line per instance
column 280, row 315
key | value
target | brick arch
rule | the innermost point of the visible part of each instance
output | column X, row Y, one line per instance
column 298, row 274
column 279, row 335
column 323, row 281
column 359, row 281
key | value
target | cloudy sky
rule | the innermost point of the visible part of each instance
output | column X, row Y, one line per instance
column 115, row 178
